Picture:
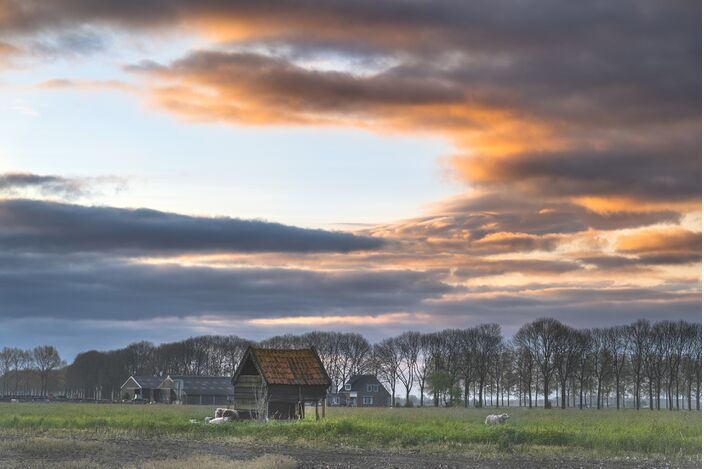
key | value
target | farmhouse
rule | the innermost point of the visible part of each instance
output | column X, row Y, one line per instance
column 141, row 387
column 361, row 391
column 275, row 383
column 179, row 389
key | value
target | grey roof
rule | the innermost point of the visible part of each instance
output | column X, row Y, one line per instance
column 205, row 385
column 148, row 382
column 354, row 378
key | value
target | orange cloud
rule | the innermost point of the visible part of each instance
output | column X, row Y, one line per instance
column 661, row 240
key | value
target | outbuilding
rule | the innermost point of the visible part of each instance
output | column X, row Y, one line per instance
column 277, row 383
column 195, row 390
column 141, row 387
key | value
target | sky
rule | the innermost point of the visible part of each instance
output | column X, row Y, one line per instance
column 172, row 168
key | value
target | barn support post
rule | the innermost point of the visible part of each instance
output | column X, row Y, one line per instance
column 317, row 416
column 301, row 405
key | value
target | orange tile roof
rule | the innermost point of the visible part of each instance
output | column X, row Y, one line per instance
column 298, row 367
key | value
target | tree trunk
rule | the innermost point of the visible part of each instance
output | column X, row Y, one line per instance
column 598, row 395
column 698, row 394
column 546, row 392
column 677, row 393
column 564, row 388
column 481, row 393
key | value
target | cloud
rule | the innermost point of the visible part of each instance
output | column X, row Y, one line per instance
column 87, row 287
column 18, row 184
column 40, row 226
column 671, row 245
column 11, row 183
column 650, row 172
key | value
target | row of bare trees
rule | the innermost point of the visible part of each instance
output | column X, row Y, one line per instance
column 27, row 371
column 545, row 363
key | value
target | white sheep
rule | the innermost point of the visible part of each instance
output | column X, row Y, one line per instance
column 218, row 420
column 494, row 419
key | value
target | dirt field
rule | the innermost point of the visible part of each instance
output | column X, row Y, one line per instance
column 22, row 451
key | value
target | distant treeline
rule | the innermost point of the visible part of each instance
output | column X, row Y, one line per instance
column 545, row 363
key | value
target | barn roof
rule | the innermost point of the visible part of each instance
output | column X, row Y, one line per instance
column 288, row 366
column 145, row 382
column 204, row 385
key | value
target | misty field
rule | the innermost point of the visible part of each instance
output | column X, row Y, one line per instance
column 534, row 431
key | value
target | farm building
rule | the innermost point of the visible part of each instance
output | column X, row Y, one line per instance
column 141, row 387
column 178, row 389
column 275, row 383
column 361, row 391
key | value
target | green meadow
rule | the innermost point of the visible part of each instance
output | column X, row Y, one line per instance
column 530, row 431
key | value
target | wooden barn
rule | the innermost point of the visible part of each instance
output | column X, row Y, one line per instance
column 277, row 383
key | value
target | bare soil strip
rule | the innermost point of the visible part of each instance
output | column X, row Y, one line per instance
column 18, row 451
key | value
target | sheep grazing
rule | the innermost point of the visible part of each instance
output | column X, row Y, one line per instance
column 494, row 419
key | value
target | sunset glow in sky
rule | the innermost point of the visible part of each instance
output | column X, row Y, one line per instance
column 176, row 168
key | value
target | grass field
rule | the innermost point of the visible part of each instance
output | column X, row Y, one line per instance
column 536, row 431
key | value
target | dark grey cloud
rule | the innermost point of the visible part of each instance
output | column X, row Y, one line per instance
column 90, row 287
column 46, row 184
column 40, row 226
column 650, row 172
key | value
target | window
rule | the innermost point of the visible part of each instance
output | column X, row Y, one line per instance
column 348, row 387
column 372, row 388
column 368, row 400
column 335, row 401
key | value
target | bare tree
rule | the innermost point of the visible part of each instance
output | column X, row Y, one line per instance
column 388, row 357
column 617, row 341
column 542, row 340
column 602, row 363
column 424, row 365
column 639, row 342
column 488, row 340
column 409, row 345
column 47, row 359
